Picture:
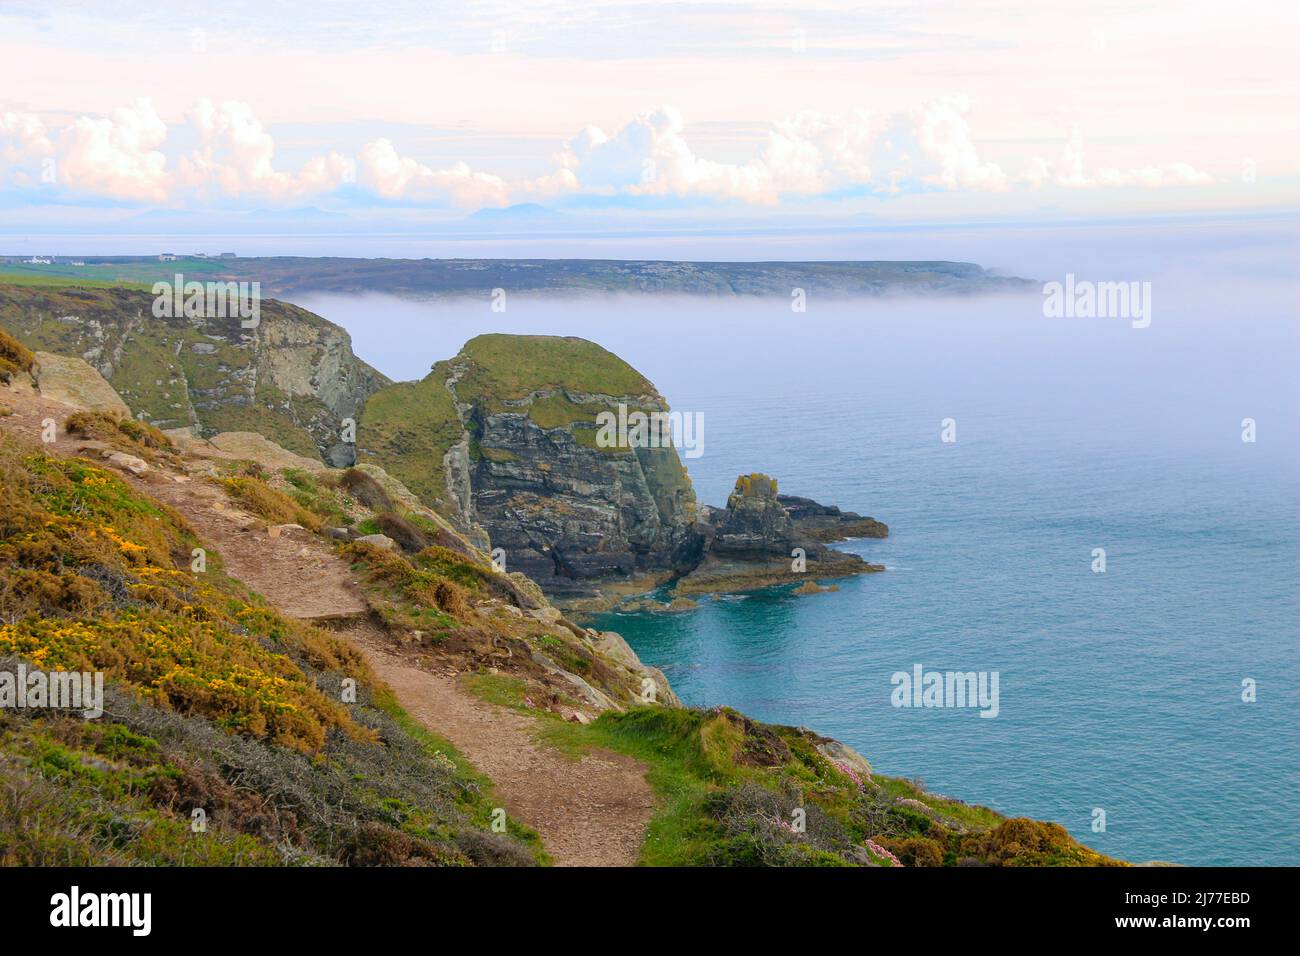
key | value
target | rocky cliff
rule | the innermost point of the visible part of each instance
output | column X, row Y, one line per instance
column 505, row 436
column 292, row 378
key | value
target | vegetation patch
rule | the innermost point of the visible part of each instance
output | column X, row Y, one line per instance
column 266, row 502
column 213, row 703
column 125, row 434
column 407, row 428
column 735, row 792
column 514, row 366
column 14, row 357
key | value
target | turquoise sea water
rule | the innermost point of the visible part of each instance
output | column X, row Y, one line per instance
column 1120, row 690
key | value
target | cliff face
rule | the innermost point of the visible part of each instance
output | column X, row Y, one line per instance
column 506, row 434
column 293, row 378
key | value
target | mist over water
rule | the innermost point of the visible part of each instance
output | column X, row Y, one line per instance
column 1120, row 690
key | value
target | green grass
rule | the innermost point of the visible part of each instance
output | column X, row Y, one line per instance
column 484, row 796
column 406, row 429
column 514, row 366
column 63, row 277
column 118, row 275
column 680, row 771
column 724, row 783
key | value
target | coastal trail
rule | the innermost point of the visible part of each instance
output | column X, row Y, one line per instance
column 591, row 811
column 588, row 812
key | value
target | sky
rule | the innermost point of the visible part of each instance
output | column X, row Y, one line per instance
column 687, row 114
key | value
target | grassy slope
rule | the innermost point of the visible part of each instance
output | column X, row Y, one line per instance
column 728, row 785
column 406, row 429
column 214, row 702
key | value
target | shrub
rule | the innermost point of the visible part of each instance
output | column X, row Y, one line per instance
column 124, row 433
column 914, row 851
column 274, row 506
column 408, row 537
column 317, row 494
column 366, row 490
column 14, row 357
column 1024, row 842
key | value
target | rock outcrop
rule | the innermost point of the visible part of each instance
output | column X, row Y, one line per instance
column 754, row 542
column 72, row 381
column 826, row 523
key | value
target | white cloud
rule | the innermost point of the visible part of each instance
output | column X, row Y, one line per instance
column 236, row 157
column 22, row 137
column 929, row 147
column 808, row 154
column 1070, row 172
column 394, row 176
column 116, row 156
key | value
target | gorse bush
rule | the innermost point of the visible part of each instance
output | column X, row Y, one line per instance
column 125, row 433
column 14, row 357
column 266, row 502
column 96, row 577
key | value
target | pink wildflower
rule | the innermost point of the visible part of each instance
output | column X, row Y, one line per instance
column 881, row 852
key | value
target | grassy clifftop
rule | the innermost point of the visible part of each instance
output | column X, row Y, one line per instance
column 737, row 792
column 409, row 427
column 505, row 367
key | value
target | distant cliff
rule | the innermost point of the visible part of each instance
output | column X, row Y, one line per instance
column 293, row 378
column 430, row 278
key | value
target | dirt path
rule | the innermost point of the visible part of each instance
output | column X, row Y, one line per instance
column 589, row 812
column 295, row 570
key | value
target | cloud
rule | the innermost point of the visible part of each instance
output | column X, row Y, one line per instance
column 1070, row 172
column 393, row 176
column 116, row 156
column 808, row 154
column 928, row 148
column 22, row 137
column 236, row 158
